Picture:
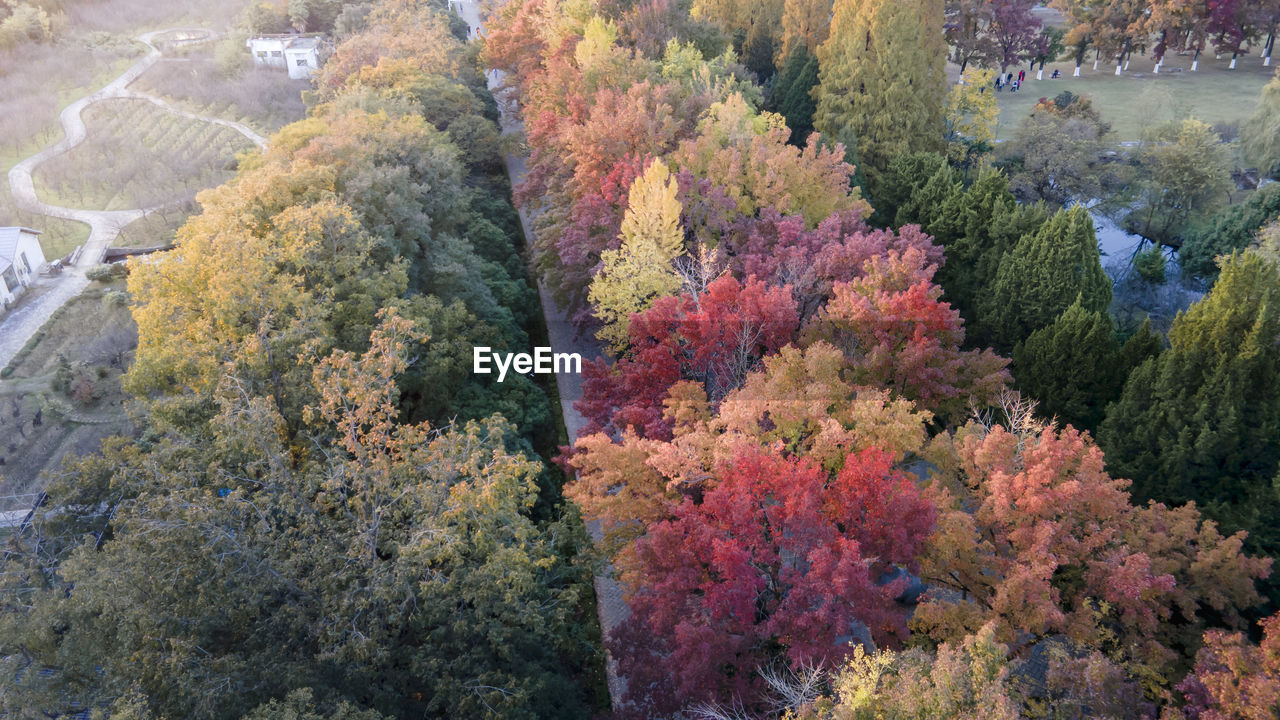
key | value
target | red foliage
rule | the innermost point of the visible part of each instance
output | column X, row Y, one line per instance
column 1233, row 679
column 778, row 560
column 713, row 339
column 896, row 333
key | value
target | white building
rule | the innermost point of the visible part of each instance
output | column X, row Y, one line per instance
column 20, row 259
column 297, row 54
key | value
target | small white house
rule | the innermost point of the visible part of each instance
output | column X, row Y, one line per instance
column 20, row 259
column 297, row 54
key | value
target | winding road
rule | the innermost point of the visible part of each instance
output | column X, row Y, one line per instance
column 18, row 325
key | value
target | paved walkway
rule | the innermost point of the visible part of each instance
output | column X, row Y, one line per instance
column 610, row 607
column 18, row 326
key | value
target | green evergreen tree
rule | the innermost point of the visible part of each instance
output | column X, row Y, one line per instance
column 924, row 207
column 904, row 175
column 1043, row 275
column 1068, row 366
column 1199, row 422
column 881, row 74
column 792, row 96
column 1141, row 346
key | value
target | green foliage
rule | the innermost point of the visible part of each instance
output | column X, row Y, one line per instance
column 1183, row 174
column 791, row 96
column 1043, row 275
column 387, row 566
column 1069, row 366
column 1199, row 421
column 1150, row 265
column 1260, row 134
column 1231, row 229
column 1056, row 152
column 904, row 175
column 881, row 78
column 107, row 273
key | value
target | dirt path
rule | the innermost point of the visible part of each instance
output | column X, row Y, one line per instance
column 610, row 606
column 17, row 327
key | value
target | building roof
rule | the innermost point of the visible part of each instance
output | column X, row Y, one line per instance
column 9, row 244
column 290, row 42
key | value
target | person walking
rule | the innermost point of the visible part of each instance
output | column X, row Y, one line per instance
column 1022, row 75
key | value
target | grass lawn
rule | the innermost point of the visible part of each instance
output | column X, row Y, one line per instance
column 139, row 155
column 1139, row 99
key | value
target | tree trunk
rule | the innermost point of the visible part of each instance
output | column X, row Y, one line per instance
column 1195, row 62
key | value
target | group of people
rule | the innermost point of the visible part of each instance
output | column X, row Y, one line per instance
column 1008, row 79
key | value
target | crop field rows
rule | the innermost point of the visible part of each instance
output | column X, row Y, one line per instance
column 138, row 155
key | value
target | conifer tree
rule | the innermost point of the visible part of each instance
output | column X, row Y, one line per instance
column 791, row 96
column 1043, row 275
column 1068, row 366
column 640, row 270
column 881, row 73
column 978, row 227
column 923, row 207
column 804, row 24
column 1200, row 421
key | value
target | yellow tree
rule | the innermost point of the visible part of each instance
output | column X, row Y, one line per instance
column 881, row 79
column 804, row 22
column 640, row 270
column 971, row 114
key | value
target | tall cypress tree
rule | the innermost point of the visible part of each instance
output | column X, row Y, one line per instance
column 881, row 75
column 1069, row 366
column 1043, row 275
column 1202, row 421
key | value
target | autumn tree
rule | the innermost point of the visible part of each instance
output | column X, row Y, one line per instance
column 779, row 560
column 771, row 507
column 264, row 568
column 971, row 114
column 714, row 338
column 1043, row 275
column 1234, row 678
column 1036, row 536
column 881, row 78
column 640, row 270
column 805, row 23
column 896, row 333
column 993, row 34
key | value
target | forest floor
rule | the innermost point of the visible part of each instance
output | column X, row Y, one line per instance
column 62, row 393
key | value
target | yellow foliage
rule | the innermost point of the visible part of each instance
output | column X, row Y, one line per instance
column 640, row 270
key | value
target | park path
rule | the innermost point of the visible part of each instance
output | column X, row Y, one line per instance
column 610, row 606
column 20, row 324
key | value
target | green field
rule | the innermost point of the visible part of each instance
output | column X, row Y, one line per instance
column 1139, row 99
column 139, row 155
